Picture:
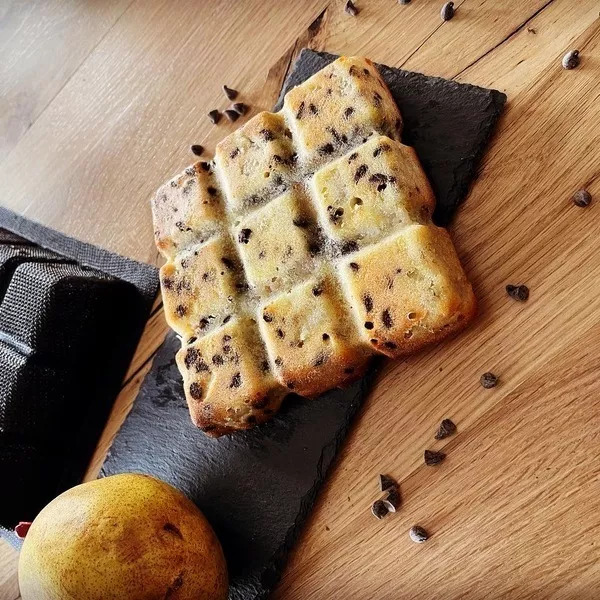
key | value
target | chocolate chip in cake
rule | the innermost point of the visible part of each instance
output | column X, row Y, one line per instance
column 351, row 9
column 190, row 171
column 369, row 325
column 313, row 109
column 582, row 198
column 181, row 310
column 267, row 318
column 317, row 290
column 349, row 246
column 196, row 391
column 232, row 115
column 203, row 323
column 205, row 166
column 354, row 266
column 234, row 153
column 390, row 345
column 325, row 337
column 488, row 380
column 244, row 236
column 211, row 190
column 201, row 366
column 348, row 112
column 518, row 292
column 326, row 148
column 379, row 509
column 278, row 361
column 230, row 93
column 368, row 302
column 386, row 318
column 267, row 134
column 197, row 149
column 418, row 534
column 191, row 356
column 168, row 283
column 214, row 116
column 433, row 457
column 226, row 319
column 571, row 60
column 236, row 381
column 240, row 108
column 447, row 11
column 377, row 99
column 360, row 172
column 217, row 360
column 446, row 429
column 321, row 358
column 280, row 333
column 353, row 156
column 300, row 111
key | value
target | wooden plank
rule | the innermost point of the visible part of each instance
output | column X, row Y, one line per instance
column 36, row 61
column 9, row 586
column 518, row 225
column 124, row 122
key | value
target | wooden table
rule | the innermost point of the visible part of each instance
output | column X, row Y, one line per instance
column 99, row 102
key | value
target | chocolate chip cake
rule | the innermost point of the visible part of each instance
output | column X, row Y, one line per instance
column 304, row 248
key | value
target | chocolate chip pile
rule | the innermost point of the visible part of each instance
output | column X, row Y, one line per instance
column 304, row 247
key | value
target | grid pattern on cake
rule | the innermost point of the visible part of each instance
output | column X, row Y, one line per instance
column 304, row 247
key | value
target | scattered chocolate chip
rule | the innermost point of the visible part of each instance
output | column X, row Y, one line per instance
column 234, row 153
column 168, row 283
column 201, row 366
column 196, row 391
column 354, row 266
column 377, row 99
column 173, row 183
column 192, row 339
column 325, row 337
column 231, row 114
column 488, row 380
column 351, row 9
column 244, row 236
column 368, row 302
column 353, row 156
column 379, row 509
column 226, row 338
column 300, row 111
column 433, row 457
column 390, row 345
column 190, row 171
column 226, row 319
column 191, row 356
column 386, row 318
column 217, row 359
column 212, row 191
column 447, row 11
column 392, row 499
column 278, row 361
column 446, row 429
column 196, row 149
column 313, row 109
column 236, row 381
column 203, row 323
column 180, row 310
column 205, row 166
column 321, row 358
column 360, row 172
column 230, row 93
column 571, row 60
column 381, row 148
column 418, row 534
column 386, row 482
column 348, row 112
column 335, row 134
column 369, row 325
column 381, row 187
column 317, row 290
column 240, row 108
column 326, row 148
column 280, row 333
column 518, row 292
column 267, row 318
column 215, row 116
column 582, row 198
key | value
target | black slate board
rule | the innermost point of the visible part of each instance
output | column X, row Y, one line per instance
column 257, row 487
column 67, row 336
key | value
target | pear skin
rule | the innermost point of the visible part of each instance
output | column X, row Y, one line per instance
column 127, row 536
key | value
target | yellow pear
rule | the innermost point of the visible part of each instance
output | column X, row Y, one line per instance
column 125, row 537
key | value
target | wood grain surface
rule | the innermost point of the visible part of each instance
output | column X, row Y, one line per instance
column 514, row 511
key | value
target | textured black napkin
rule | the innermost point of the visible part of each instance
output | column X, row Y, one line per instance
column 257, row 487
column 71, row 315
